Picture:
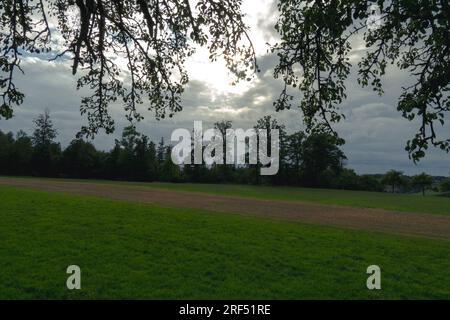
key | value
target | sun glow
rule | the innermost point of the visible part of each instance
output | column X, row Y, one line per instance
column 216, row 75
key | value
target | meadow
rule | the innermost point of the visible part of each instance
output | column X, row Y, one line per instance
column 131, row 250
column 430, row 204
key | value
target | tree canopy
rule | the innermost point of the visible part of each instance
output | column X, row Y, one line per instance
column 423, row 181
column 393, row 178
column 314, row 56
column 445, row 186
column 154, row 38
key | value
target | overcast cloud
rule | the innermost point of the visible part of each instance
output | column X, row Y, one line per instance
column 374, row 130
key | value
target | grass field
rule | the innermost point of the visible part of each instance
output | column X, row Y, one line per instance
column 431, row 204
column 128, row 250
column 360, row 199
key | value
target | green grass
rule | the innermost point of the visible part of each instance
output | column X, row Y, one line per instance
column 128, row 250
column 395, row 202
column 360, row 199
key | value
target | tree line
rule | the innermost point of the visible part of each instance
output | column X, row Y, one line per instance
column 312, row 159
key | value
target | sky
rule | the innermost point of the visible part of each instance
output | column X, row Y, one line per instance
column 375, row 132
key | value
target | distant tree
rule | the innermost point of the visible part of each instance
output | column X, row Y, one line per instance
column 150, row 155
column 445, row 186
column 112, row 168
column 269, row 124
column 127, row 159
column 170, row 172
column 370, row 183
column 47, row 152
column 160, row 151
column 394, row 179
column 45, row 133
column 346, row 179
column 200, row 172
column 81, row 160
column 145, row 159
column 135, row 156
column 130, row 136
column 222, row 173
column 294, row 154
column 322, row 159
column 21, row 154
column 223, row 126
column 6, row 145
column 423, row 181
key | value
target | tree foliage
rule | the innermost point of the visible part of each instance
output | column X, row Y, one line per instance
column 269, row 124
column 394, row 179
column 314, row 56
column 321, row 157
column 46, row 151
column 44, row 132
column 422, row 181
column 445, row 186
column 154, row 38
column 80, row 159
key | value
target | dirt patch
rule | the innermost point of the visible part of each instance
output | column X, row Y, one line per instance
column 367, row 219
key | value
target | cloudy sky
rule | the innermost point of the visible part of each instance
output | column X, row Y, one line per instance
column 374, row 131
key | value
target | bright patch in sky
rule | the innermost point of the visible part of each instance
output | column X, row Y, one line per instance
column 216, row 75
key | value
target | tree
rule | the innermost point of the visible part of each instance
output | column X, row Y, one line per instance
column 135, row 156
column 321, row 160
column 45, row 133
column 223, row 173
column 127, row 158
column 393, row 178
column 370, row 183
column 199, row 172
column 130, row 137
column 150, row 155
column 154, row 37
column 6, row 145
column 160, row 151
column 269, row 124
column 112, row 169
column 423, row 181
column 294, row 153
column 81, row 160
column 170, row 172
column 346, row 179
column 21, row 153
column 47, row 152
column 316, row 43
column 145, row 159
column 222, row 127
column 445, row 186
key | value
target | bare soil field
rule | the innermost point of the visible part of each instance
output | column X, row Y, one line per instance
column 433, row 226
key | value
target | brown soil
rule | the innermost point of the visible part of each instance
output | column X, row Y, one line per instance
column 434, row 226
